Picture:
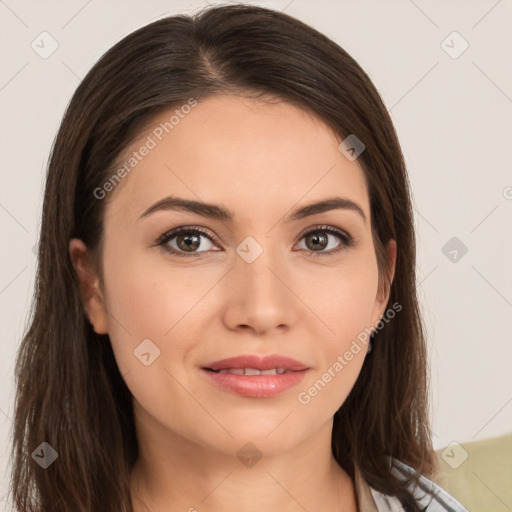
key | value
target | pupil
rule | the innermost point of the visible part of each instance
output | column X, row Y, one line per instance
column 316, row 237
column 188, row 244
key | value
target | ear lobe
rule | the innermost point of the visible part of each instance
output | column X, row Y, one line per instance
column 90, row 289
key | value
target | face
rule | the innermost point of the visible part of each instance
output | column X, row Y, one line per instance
column 282, row 291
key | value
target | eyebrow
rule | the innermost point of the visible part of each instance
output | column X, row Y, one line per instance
column 223, row 214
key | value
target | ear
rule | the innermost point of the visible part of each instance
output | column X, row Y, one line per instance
column 384, row 289
column 91, row 293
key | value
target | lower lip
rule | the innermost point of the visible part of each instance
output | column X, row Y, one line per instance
column 256, row 386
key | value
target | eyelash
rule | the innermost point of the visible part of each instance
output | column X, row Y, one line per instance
column 345, row 238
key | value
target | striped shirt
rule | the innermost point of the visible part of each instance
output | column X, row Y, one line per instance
column 429, row 496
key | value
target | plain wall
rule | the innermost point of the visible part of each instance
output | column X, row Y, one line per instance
column 453, row 118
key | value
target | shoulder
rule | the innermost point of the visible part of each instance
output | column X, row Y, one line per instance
column 429, row 496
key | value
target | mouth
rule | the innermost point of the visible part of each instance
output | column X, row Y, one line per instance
column 251, row 371
column 255, row 376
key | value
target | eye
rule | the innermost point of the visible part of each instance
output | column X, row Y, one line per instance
column 317, row 240
column 186, row 241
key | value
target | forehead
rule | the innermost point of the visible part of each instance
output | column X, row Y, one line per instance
column 248, row 154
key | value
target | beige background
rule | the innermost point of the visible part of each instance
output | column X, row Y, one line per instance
column 453, row 117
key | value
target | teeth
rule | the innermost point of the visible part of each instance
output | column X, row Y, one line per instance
column 273, row 371
column 236, row 371
column 252, row 371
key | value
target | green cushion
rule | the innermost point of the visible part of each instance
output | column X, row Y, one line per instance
column 478, row 473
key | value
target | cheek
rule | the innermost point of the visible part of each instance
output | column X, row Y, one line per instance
column 344, row 301
column 326, row 391
column 149, row 296
column 343, row 298
column 144, row 302
column 151, row 334
column 149, row 299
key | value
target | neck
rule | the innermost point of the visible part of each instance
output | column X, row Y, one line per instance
column 173, row 473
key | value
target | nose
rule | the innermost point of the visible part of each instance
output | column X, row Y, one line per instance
column 260, row 296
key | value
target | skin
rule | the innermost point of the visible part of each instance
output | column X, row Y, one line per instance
column 261, row 160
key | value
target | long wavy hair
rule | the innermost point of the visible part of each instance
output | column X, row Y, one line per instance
column 69, row 391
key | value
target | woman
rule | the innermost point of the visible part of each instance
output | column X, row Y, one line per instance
column 226, row 314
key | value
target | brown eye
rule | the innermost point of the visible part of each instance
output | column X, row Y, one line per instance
column 316, row 241
column 322, row 238
column 186, row 241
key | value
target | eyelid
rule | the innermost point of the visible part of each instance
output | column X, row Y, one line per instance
column 171, row 233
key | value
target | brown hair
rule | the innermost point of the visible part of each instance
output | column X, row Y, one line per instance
column 70, row 393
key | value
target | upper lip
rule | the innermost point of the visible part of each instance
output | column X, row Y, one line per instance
column 257, row 362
